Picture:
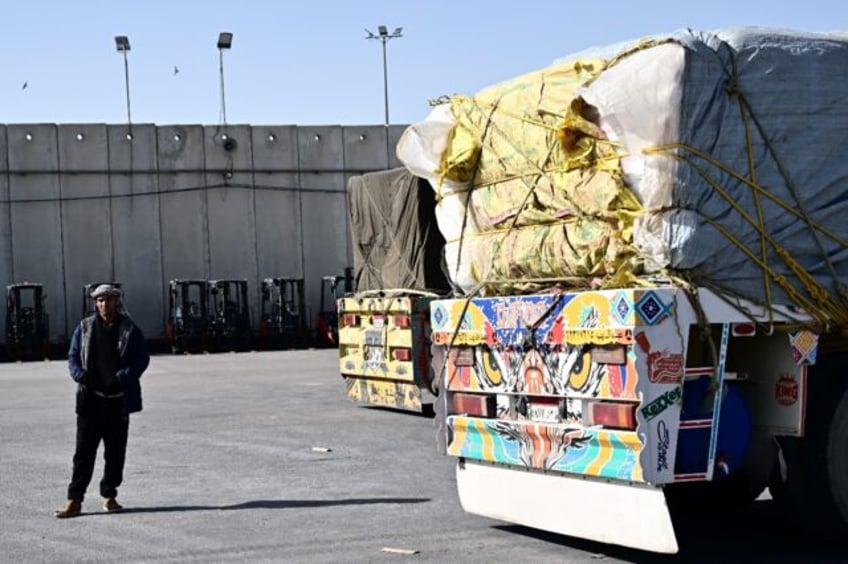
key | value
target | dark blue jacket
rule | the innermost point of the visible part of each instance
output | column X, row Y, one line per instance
column 132, row 353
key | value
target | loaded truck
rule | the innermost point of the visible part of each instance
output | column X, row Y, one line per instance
column 651, row 261
column 383, row 325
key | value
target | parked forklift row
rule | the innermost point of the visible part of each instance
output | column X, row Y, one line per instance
column 203, row 316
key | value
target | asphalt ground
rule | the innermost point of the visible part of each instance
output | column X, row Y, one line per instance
column 260, row 457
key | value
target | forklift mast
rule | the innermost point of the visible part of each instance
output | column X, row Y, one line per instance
column 27, row 323
column 282, row 320
column 230, row 314
column 327, row 323
column 188, row 306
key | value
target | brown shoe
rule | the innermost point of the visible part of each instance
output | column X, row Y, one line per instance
column 111, row 505
column 72, row 508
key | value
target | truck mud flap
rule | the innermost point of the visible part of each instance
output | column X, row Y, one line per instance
column 635, row 516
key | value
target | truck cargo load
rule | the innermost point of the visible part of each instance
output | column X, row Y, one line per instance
column 714, row 157
column 396, row 242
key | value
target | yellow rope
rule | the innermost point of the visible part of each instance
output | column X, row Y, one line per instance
column 818, row 293
column 670, row 147
column 752, row 172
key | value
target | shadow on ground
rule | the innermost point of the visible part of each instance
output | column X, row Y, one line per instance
column 277, row 504
column 755, row 534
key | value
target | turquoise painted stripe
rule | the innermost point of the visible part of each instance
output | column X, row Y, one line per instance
column 473, row 445
column 578, row 460
column 621, row 465
column 612, row 469
column 504, row 451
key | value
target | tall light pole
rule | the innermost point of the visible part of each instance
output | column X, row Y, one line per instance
column 122, row 44
column 384, row 36
column 225, row 41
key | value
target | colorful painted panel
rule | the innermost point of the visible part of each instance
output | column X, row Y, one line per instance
column 597, row 317
column 562, row 448
column 558, row 371
column 384, row 338
column 386, row 393
column 617, row 345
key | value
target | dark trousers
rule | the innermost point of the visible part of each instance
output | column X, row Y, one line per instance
column 103, row 420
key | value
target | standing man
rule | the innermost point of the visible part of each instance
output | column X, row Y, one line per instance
column 107, row 357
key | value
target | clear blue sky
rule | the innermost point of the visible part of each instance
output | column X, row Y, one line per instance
column 308, row 63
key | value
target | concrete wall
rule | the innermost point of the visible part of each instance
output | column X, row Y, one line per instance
column 144, row 204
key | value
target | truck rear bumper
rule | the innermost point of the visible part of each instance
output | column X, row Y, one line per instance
column 634, row 515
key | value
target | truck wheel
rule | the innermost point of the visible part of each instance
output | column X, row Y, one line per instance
column 810, row 483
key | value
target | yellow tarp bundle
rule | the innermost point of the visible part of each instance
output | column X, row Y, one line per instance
column 547, row 199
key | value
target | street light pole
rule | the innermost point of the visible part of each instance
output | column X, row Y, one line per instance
column 122, row 44
column 225, row 41
column 385, row 83
column 384, row 36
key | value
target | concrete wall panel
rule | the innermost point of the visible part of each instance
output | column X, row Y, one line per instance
column 232, row 218
column 33, row 152
column 182, row 202
column 365, row 149
column 320, row 150
column 37, row 257
column 135, row 224
column 36, row 217
column 137, row 154
column 86, row 213
column 278, row 226
column 7, row 274
column 82, row 149
column 323, row 209
column 324, row 241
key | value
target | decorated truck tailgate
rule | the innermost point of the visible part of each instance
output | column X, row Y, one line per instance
column 384, row 350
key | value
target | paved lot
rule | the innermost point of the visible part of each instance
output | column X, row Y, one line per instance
column 222, row 468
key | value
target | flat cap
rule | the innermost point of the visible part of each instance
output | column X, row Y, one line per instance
column 105, row 290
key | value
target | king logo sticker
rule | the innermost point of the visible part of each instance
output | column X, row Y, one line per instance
column 786, row 390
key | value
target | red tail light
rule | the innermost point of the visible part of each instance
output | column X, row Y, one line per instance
column 402, row 355
column 744, row 329
column 475, row 405
column 612, row 414
column 350, row 320
column 401, row 321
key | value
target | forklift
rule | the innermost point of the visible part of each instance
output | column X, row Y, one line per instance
column 282, row 319
column 229, row 315
column 187, row 328
column 327, row 321
column 88, row 308
column 27, row 323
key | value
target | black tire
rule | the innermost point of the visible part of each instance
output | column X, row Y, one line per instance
column 811, row 484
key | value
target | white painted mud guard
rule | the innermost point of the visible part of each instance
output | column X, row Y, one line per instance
column 628, row 515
